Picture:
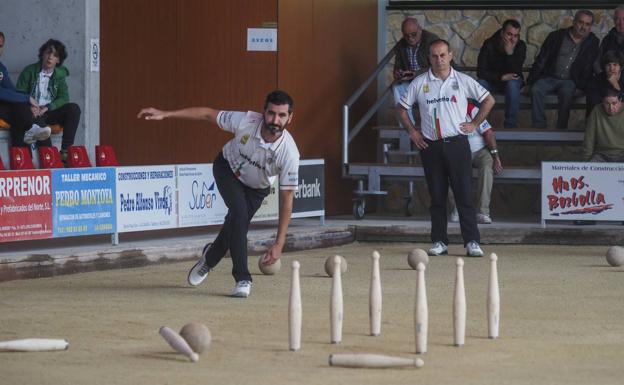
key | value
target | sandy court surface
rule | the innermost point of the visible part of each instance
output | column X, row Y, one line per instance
column 561, row 322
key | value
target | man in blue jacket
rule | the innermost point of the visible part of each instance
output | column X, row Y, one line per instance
column 10, row 99
column 564, row 66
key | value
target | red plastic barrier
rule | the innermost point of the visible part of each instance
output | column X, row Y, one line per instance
column 105, row 156
column 21, row 159
column 77, row 157
column 49, row 157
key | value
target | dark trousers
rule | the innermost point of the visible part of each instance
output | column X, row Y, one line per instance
column 8, row 111
column 448, row 161
column 67, row 115
column 242, row 203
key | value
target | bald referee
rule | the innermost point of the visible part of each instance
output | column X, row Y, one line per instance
column 260, row 150
column 442, row 95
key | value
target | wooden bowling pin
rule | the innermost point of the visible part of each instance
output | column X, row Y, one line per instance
column 421, row 314
column 493, row 299
column 178, row 343
column 375, row 297
column 459, row 306
column 366, row 360
column 294, row 310
column 336, row 306
column 34, row 345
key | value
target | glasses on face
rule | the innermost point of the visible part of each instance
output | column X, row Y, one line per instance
column 412, row 35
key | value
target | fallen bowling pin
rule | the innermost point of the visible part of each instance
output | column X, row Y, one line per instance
column 178, row 343
column 34, row 345
column 367, row 360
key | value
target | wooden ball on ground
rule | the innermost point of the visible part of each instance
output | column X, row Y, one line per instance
column 615, row 256
column 197, row 335
column 329, row 265
column 416, row 256
column 269, row 269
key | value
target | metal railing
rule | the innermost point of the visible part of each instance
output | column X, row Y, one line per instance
column 348, row 135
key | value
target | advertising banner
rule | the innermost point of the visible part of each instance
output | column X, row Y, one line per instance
column 83, row 201
column 310, row 195
column 25, row 205
column 146, row 198
column 199, row 201
column 583, row 191
column 270, row 205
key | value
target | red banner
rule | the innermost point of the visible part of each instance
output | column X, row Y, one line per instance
column 25, row 205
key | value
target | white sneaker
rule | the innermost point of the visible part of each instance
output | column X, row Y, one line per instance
column 242, row 289
column 37, row 133
column 473, row 249
column 438, row 248
column 454, row 217
column 484, row 219
column 200, row 271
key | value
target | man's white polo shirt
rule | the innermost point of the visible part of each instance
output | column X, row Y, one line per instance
column 442, row 103
column 254, row 161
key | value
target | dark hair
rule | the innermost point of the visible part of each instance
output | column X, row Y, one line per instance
column 612, row 57
column 609, row 92
column 1, row 34
column 440, row 41
column 585, row 12
column 58, row 47
column 279, row 98
column 513, row 22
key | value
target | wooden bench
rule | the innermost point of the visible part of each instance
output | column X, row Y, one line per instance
column 552, row 102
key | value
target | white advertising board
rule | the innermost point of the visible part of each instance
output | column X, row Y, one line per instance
column 146, row 198
column 199, row 201
column 582, row 191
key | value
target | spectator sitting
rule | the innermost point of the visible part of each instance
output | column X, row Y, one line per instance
column 604, row 135
column 609, row 78
column 10, row 98
column 563, row 65
column 614, row 40
column 411, row 58
column 499, row 67
column 45, row 81
column 486, row 160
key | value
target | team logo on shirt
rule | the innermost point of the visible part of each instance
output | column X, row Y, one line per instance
column 244, row 139
column 426, row 88
column 455, row 86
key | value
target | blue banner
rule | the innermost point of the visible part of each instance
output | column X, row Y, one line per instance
column 83, row 201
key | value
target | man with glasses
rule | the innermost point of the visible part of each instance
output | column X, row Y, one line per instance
column 411, row 57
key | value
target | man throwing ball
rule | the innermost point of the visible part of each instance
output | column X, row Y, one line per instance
column 244, row 170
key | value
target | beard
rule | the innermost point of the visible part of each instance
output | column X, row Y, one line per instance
column 275, row 129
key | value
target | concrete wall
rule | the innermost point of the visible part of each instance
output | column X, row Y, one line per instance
column 27, row 24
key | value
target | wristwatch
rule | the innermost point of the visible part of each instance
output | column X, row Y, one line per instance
column 493, row 152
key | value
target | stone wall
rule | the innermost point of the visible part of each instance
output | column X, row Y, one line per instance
column 466, row 30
